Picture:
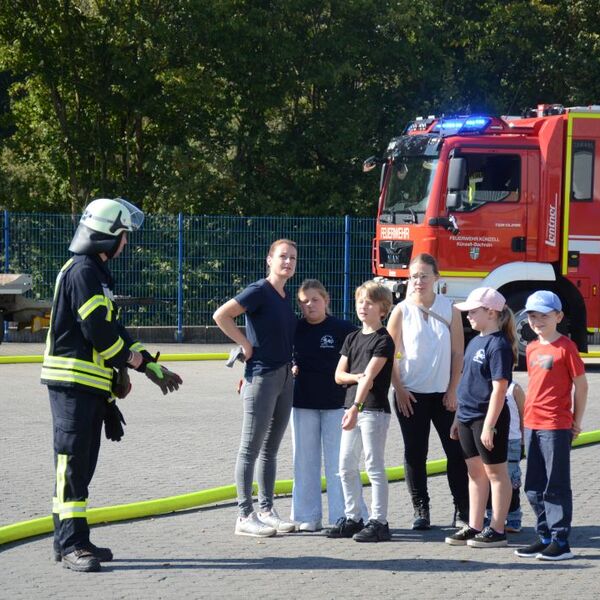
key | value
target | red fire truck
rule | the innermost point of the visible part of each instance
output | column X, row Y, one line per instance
column 507, row 202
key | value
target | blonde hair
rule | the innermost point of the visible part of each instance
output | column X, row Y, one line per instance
column 315, row 284
column 506, row 323
column 377, row 293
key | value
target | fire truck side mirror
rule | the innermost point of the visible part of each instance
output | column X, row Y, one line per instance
column 453, row 200
column 457, row 174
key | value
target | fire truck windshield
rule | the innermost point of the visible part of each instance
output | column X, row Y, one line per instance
column 408, row 188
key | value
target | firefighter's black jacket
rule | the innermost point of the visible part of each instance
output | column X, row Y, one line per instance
column 85, row 341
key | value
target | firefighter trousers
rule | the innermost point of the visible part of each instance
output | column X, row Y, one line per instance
column 77, row 418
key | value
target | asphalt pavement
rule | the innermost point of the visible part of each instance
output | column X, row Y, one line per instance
column 187, row 442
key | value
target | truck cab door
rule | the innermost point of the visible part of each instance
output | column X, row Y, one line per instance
column 580, row 261
column 490, row 211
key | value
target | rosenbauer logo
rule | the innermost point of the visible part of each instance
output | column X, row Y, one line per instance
column 552, row 223
column 394, row 233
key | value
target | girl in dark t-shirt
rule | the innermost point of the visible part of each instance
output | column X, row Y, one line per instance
column 318, row 408
column 482, row 417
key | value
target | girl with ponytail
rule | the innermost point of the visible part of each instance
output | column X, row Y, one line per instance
column 483, row 418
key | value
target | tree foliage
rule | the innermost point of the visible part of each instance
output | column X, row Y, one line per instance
column 260, row 106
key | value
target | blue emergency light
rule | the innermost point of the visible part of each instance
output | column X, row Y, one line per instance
column 458, row 125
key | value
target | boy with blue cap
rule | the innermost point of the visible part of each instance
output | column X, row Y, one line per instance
column 552, row 419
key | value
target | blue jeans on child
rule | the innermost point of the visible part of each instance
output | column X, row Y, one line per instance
column 314, row 433
column 548, row 481
column 513, row 519
column 369, row 434
column 515, row 514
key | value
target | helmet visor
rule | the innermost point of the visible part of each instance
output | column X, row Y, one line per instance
column 135, row 214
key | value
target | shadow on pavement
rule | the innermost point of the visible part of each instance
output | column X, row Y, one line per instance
column 325, row 563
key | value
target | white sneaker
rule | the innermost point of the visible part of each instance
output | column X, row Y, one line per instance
column 253, row 527
column 273, row 520
column 310, row 526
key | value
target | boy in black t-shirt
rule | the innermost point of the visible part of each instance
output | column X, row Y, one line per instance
column 365, row 367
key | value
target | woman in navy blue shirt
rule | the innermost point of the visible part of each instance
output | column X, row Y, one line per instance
column 268, row 388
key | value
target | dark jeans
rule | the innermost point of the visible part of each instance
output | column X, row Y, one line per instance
column 428, row 409
column 77, row 418
column 548, row 480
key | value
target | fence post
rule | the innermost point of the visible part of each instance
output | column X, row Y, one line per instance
column 6, row 240
column 347, row 225
column 179, row 332
column 4, row 323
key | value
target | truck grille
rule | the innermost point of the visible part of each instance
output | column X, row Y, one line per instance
column 395, row 254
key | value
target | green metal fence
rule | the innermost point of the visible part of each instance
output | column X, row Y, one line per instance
column 182, row 267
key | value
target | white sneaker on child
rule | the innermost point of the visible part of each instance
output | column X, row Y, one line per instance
column 272, row 519
column 253, row 527
column 310, row 526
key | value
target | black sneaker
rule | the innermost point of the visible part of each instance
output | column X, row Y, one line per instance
column 344, row 528
column 461, row 536
column 556, row 551
column 488, row 538
column 102, row 554
column 422, row 520
column 532, row 550
column 374, row 531
column 81, row 560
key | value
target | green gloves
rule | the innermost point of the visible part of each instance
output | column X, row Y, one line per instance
column 166, row 380
column 112, row 422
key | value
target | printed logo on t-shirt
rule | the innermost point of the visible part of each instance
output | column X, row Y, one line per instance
column 543, row 361
column 479, row 356
column 327, row 341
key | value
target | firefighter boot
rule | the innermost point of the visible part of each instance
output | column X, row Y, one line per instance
column 102, row 554
column 81, row 560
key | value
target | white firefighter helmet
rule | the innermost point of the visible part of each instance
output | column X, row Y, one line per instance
column 102, row 224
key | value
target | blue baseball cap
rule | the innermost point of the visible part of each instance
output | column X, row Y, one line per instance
column 543, row 301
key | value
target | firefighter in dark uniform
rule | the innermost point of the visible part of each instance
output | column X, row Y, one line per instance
column 85, row 367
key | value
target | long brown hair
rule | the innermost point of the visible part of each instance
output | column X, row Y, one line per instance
column 506, row 324
column 426, row 259
column 279, row 242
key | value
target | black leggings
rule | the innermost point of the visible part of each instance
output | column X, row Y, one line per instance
column 428, row 409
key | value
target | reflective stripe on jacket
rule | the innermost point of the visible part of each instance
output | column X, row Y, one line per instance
column 85, row 340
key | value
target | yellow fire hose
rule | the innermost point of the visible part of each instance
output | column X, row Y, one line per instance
column 38, row 358
column 147, row 508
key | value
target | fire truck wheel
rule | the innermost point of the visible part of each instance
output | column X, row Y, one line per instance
column 524, row 333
